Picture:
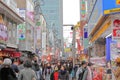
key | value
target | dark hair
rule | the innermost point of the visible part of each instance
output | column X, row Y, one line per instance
column 12, row 60
column 83, row 62
column 28, row 64
column 90, row 64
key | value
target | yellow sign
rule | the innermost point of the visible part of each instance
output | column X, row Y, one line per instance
column 67, row 49
column 118, row 2
column 100, row 31
column 112, row 10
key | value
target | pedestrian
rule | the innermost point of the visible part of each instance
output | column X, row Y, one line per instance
column 55, row 73
column 1, row 61
column 90, row 73
column 14, row 66
column 36, row 68
column 85, row 70
column 48, row 71
column 82, row 71
column 63, row 74
column 27, row 73
column 20, row 67
column 59, row 65
column 6, row 72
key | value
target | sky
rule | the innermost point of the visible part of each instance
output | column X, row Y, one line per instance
column 71, row 11
column 71, row 15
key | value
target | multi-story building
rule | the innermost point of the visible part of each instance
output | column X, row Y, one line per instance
column 9, row 19
column 52, row 11
column 26, row 10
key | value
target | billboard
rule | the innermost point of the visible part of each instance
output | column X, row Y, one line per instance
column 114, row 6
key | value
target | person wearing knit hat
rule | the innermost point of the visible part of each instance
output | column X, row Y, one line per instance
column 7, row 61
column 6, row 72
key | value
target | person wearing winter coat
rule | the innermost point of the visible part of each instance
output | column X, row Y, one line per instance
column 27, row 73
column 6, row 72
column 63, row 74
column 90, row 73
column 55, row 74
column 48, row 71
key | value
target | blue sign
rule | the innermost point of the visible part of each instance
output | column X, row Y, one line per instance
column 107, row 5
column 85, row 32
column 96, row 14
column 112, row 6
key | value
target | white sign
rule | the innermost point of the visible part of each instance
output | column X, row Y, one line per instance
column 44, row 40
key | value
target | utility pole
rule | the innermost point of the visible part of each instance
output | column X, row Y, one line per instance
column 73, row 45
column 73, row 42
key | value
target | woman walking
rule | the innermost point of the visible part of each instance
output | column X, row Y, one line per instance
column 27, row 73
column 63, row 74
column 6, row 72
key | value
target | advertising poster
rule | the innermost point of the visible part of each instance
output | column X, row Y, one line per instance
column 3, row 30
column 21, row 31
column 116, row 29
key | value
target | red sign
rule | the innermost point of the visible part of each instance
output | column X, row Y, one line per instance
column 116, row 29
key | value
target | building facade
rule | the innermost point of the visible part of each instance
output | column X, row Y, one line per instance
column 52, row 11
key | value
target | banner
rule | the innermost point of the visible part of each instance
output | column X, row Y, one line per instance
column 116, row 28
column 83, row 9
column 21, row 31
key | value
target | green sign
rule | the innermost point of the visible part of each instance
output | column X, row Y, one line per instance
column 38, row 23
column 21, row 31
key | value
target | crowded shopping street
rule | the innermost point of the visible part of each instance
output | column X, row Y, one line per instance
column 59, row 39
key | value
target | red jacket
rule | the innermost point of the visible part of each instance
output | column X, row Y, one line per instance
column 56, row 75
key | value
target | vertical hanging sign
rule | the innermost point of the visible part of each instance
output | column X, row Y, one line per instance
column 85, row 32
column 83, row 9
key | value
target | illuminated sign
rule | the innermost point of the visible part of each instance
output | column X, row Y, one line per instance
column 83, row 9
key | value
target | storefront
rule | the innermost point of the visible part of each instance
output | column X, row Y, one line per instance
column 101, row 23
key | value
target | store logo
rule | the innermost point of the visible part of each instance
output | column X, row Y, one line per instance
column 118, row 2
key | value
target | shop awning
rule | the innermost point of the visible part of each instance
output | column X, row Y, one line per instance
column 16, row 54
column 100, row 28
column 4, row 9
column 9, row 49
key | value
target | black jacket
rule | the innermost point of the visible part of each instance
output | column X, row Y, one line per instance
column 7, row 73
column 63, row 75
